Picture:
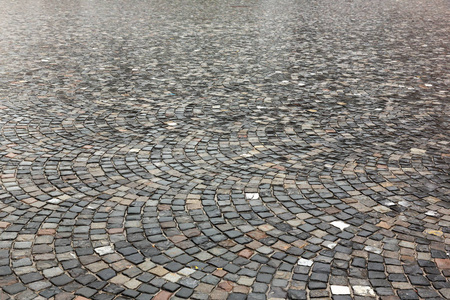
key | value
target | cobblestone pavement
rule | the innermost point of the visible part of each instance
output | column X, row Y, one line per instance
column 224, row 149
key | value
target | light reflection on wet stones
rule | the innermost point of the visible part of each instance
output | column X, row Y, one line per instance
column 201, row 150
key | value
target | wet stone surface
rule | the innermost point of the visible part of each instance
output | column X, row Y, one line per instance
column 224, row 149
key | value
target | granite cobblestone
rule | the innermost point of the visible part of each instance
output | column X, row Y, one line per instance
column 224, row 150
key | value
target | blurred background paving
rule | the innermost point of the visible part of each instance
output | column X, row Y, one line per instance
column 267, row 149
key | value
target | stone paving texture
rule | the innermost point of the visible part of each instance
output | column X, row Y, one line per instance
column 224, row 149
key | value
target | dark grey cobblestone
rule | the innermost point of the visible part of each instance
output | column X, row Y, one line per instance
column 224, row 149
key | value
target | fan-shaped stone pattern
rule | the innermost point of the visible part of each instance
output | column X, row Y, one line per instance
column 259, row 150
